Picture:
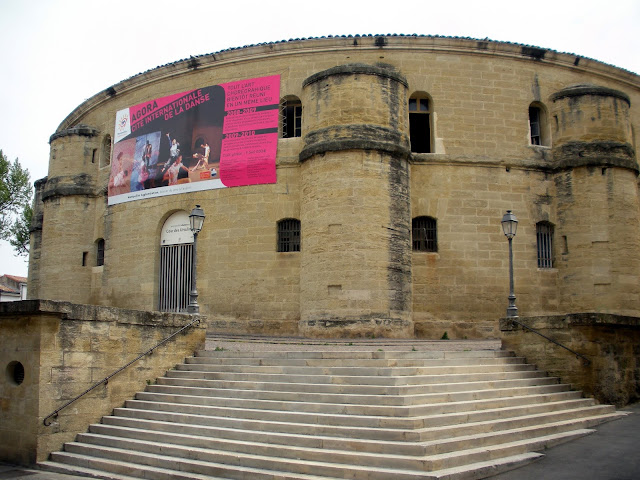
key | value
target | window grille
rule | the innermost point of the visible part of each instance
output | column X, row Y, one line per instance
column 175, row 277
column 100, row 252
column 544, row 233
column 419, row 125
column 291, row 117
column 289, row 235
column 424, row 234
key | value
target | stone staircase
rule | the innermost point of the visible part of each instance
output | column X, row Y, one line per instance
column 382, row 410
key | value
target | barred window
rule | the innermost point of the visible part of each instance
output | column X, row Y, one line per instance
column 544, row 233
column 291, row 117
column 289, row 235
column 424, row 234
column 100, row 252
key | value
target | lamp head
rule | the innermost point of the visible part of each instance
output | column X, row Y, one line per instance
column 509, row 224
column 196, row 219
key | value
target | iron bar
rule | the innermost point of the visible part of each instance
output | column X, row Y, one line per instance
column 585, row 360
column 105, row 380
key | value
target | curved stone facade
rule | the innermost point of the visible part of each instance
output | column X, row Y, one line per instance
column 396, row 131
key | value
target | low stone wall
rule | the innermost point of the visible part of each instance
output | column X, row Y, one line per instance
column 610, row 342
column 52, row 351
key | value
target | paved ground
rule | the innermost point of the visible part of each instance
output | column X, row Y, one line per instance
column 611, row 453
column 15, row 472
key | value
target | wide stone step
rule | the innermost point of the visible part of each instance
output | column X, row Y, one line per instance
column 153, row 442
column 234, row 439
column 190, row 387
column 303, row 461
column 386, row 434
column 367, row 421
column 354, row 409
column 352, row 362
column 476, row 440
column 397, row 390
column 235, row 466
column 480, row 426
column 340, row 354
column 354, row 370
column 101, row 469
column 194, row 372
column 70, row 464
column 139, row 428
column 169, row 416
column 98, row 467
column 485, row 453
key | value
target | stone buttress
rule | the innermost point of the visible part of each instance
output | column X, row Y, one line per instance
column 356, row 251
column 597, row 200
column 65, row 204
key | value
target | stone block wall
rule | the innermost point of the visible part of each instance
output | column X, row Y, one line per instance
column 64, row 349
column 458, row 288
column 354, row 185
column 610, row 342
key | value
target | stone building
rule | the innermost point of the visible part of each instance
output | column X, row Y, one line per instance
column 396, row 159
column 13, row 288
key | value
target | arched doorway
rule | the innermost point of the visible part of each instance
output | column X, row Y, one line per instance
column 176, row 251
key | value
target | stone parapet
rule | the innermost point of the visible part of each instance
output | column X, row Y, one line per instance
column 610, row 343
column 80, row 130
column 53, row 351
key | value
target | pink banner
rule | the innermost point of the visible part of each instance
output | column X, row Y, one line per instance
column 212, row 137
column 250, row 141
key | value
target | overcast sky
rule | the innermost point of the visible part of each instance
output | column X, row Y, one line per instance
column 55, row 54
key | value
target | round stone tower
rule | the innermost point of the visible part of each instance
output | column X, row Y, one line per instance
column 597, row 200
column 356, row 249
column 65, row 247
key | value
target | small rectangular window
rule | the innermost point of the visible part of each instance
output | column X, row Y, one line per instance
column 534, row 125
column 289, row 235
column 544, row 234
column 424, row 234
column 419, row 125
column 291, row 119
column 100, row 253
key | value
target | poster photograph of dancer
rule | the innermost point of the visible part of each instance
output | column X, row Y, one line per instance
column 218, row 136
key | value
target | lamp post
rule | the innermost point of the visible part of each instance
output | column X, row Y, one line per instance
column 196, row 220
column 509, row 227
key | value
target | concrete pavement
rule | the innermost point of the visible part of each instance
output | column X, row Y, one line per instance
column 611, row 453
column 18, row 473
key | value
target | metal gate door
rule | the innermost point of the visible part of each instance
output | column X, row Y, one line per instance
column 175, row 277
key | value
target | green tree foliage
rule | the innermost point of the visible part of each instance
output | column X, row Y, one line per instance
column 15, row 204
column 20, row 232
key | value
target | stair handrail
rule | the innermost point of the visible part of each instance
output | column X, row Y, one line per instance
column 585, row 360
column 105, row 380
